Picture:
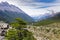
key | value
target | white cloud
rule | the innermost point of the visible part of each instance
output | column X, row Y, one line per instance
column 57, row 1
column 33, row 8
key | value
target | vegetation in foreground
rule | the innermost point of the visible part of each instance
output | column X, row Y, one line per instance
column 48, row 29
column 18, row 31
column 46, row 32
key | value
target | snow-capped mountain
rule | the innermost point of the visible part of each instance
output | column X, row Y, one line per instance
column 9, row 7
column 44, row 16
column 9, row 12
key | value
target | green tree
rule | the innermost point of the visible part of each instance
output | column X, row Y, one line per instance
column 19, row 31
column 12, row 35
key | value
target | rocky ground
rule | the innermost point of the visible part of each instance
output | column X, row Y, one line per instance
column 1, row 37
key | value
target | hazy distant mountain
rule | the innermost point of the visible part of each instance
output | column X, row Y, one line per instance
column 56, row 16
column 42, row 17
column 9, row 12
column 50, row 20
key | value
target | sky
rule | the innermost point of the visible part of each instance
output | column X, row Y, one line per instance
column 36, row 7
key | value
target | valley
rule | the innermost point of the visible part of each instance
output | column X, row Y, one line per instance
column 24, row 27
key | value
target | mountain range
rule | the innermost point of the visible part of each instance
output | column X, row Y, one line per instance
column 9, row 12
column 51, row 19
column 42, row 17
column 50, row 15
